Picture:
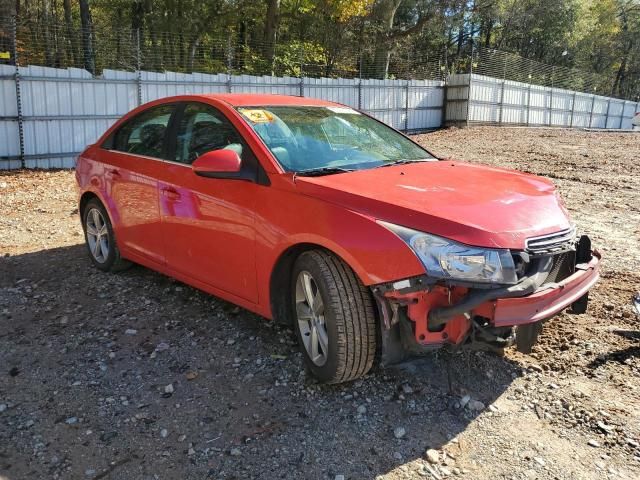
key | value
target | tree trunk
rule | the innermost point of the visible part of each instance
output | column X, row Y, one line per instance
column 271, row 29
column 487, row 38
column 87, row 37
column 193, row 48
column 385, row 14
column 68, row 22
column 620, row 75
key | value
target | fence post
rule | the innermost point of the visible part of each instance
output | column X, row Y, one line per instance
column 606, row 122
column 229, row 64
column 573, row 109
column 550, row 106
column 360, row 83
column 138, row 67
column 469, row 92
column 528, row 102
column 406, row 106
column 501, row 99
column 624, row 104
column 593, row 102
column 301, row 71
column 16, row 62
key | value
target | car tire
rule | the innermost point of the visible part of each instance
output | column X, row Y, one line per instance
column 100, row 238
column 342, row 313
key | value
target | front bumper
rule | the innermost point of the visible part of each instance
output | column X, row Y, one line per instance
column 549, row 299
column 439, row 314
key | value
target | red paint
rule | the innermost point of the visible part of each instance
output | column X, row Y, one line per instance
column 217, row 161
column 226, row 235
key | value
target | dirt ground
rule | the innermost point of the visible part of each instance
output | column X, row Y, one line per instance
column 137, row 376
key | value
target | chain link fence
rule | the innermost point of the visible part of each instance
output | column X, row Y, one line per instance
column 509, row 66
column 60, row 45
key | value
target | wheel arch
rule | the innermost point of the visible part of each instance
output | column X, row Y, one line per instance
column 280, row 278
column 85, row 198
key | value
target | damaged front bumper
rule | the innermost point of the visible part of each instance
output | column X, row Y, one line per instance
column 422, row 315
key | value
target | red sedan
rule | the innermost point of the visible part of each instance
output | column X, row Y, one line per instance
column 313, row 213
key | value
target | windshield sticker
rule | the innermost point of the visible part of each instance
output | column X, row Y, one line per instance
column 257, row 116
column 344, row 110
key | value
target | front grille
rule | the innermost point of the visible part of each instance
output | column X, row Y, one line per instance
column 563, row 266
column 562, row 241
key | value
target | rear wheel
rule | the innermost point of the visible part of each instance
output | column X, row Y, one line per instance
column 334, row 317
column 100, row 238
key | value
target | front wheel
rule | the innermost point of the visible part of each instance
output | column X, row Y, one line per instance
column 334, row 317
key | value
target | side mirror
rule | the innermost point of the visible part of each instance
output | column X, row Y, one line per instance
column 218, row 164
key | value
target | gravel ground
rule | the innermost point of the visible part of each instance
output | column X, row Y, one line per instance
column 137, row 376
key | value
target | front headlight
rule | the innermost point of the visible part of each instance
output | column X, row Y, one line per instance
column 450, row 260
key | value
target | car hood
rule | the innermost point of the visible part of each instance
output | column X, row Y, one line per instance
column 473, row 204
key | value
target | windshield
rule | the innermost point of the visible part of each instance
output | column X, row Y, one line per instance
column 330, row 139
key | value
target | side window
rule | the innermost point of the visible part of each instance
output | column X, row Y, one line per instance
column 202, row 129
column 145, row 134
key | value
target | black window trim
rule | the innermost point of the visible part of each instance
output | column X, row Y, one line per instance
column 109, row 143
column 260, row 176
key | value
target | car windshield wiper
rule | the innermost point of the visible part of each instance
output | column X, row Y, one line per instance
column 402, row 162
column 317, row 172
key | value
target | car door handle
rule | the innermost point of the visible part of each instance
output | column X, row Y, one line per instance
column 114, row 174
column 171, row 193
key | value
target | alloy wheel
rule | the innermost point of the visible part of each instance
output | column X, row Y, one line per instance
column 97, row 235
column 311, row 319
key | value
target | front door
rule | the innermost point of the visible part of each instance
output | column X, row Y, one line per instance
column 208, row 223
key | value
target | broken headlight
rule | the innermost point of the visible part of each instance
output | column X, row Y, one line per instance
column 450, row 260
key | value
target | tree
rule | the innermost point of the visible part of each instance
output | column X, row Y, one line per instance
column 87, row 37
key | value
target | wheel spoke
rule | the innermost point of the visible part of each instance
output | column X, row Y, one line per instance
column 307, row 289
column 91, row 230
column 303, row 312
column 314, row 343
column 103, row 230
column 323, row 339
column 96, row 249
column 96, row 219
column 104, row 247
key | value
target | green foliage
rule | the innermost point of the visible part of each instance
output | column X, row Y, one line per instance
column 380, row 38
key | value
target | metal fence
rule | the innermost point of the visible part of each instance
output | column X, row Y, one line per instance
column 508, row 66
column 101, row 47
column 48, row 115
column 49, row 43
column 63, row 99
column 478, row 99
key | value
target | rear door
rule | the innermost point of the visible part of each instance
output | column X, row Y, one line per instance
column 209, row 223
column 137, row 150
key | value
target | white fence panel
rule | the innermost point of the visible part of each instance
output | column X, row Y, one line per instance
column 9, row 134
column 339, row 90
column 630, row 109
column 63, row 110
column 425, row 103
column 491, row 100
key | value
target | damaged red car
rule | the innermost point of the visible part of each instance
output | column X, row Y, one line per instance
column 312, row 213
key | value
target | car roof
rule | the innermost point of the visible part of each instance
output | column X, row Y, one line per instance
column 255, row 100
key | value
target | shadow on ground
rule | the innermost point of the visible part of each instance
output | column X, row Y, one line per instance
column 135, row 375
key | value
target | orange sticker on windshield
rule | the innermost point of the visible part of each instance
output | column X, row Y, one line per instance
column 257, row 116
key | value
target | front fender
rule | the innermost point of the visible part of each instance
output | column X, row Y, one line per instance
column 285, row 219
